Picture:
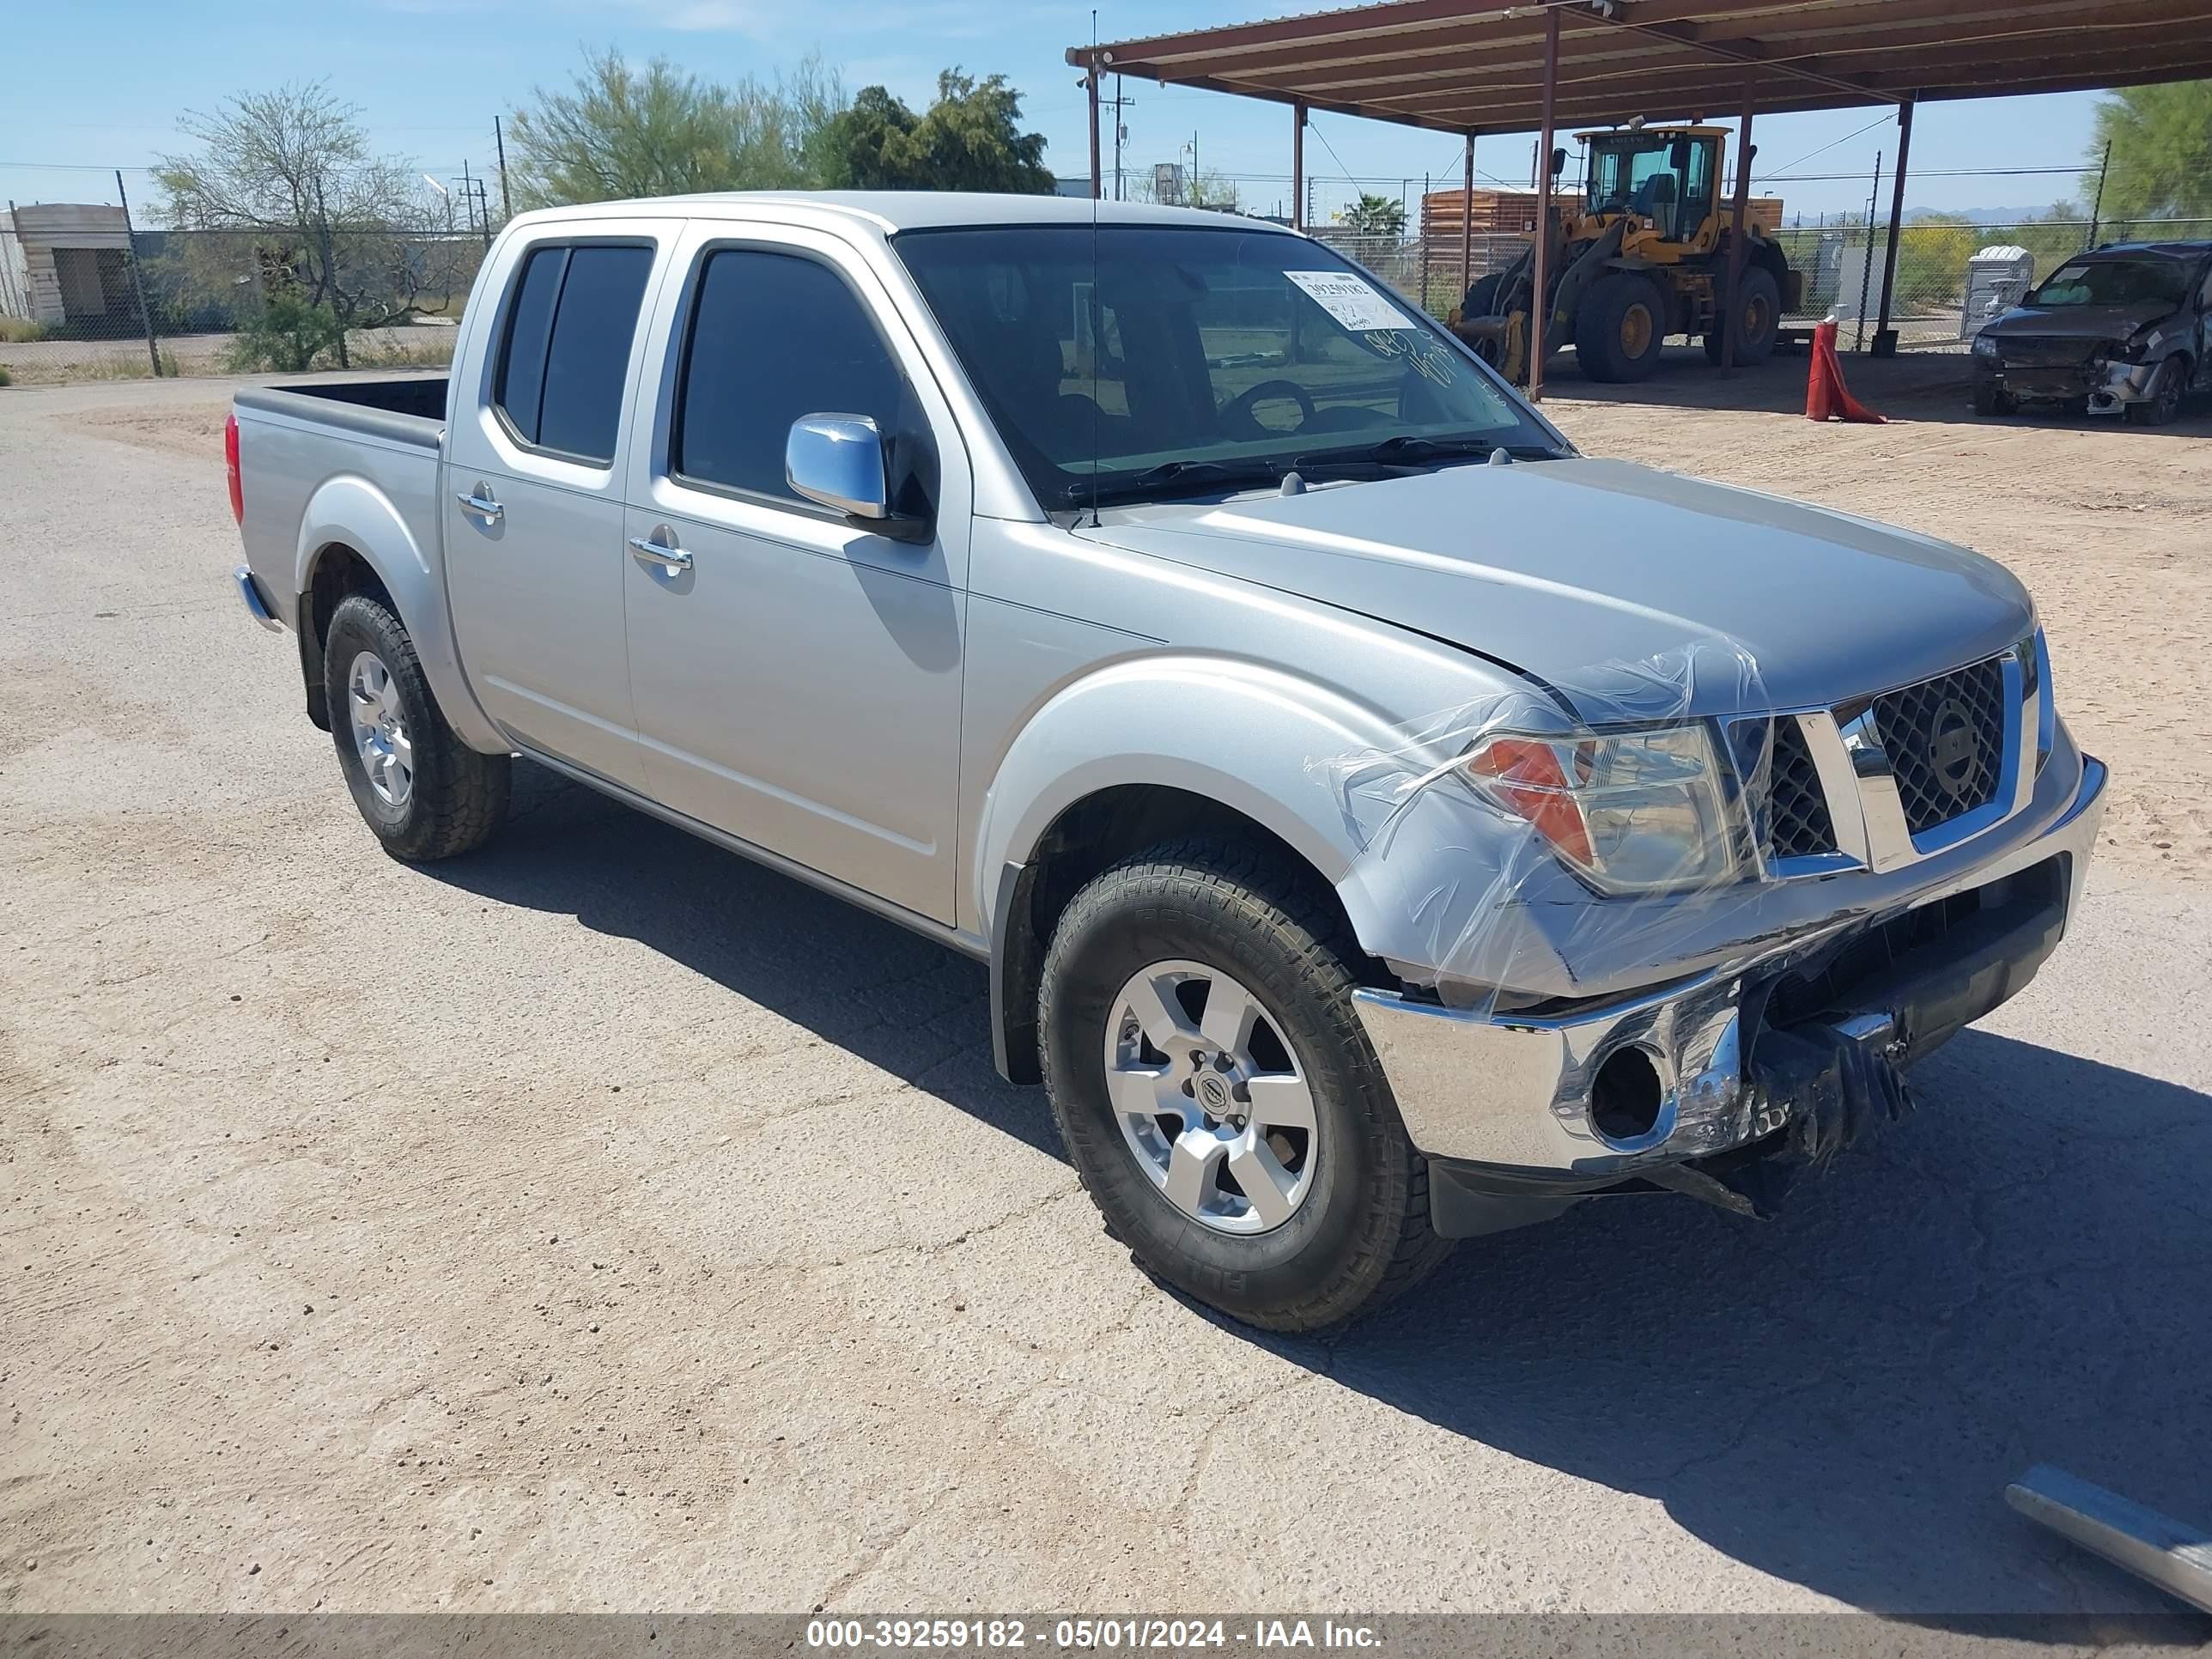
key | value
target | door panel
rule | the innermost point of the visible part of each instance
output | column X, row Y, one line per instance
column 797, row 688
column 537, row 586
column 797, row 684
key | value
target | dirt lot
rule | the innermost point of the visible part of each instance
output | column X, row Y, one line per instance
column 601, row 1222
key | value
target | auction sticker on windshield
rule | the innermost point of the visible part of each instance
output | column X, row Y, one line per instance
column 1351, row 299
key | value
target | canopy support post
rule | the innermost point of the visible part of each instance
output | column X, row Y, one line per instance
column 1539, row 305
column 1297, row 167
column 1885, row 337
column 1091, row 91
column 1731, row 319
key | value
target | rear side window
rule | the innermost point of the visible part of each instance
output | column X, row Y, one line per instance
column 774, row 336
column 562, row 367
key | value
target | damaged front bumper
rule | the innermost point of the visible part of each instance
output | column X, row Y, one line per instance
column 1795, row 1048
column 2109, row 385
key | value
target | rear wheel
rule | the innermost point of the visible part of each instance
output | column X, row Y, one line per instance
column 1216, row 1093
column 426, row 793
column 2162, row 398
column 1619, row 327
column 1759, row 313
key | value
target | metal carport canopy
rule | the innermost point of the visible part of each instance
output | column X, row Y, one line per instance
column 1463, row 66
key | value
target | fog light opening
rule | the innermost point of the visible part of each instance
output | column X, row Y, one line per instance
column 1627, row 1095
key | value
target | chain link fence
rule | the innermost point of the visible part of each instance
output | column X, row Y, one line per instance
column 110, row 304
column 92, row 301
column 1843, row 266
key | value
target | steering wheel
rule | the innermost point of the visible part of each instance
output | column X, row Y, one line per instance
column 1240, row 408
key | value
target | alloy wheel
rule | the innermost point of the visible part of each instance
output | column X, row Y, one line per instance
column 380, row 730
column 1214, row 1106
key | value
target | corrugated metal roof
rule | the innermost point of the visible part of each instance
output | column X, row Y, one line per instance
column 1469, row 65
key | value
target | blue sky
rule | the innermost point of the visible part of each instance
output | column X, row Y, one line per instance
column 98, row 83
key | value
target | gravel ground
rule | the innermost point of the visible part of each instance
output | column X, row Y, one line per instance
column 601, row 1222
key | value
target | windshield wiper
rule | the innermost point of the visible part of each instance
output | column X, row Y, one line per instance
column 1406, row 449
column 1174, row 478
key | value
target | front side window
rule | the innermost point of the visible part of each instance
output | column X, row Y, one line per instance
column 566, row 356
column 774, row 336
column 1143, row 360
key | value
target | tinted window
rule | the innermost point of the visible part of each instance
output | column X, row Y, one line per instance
column 589, row 355
column 1103, row 357
column 774, row 338
column 522, row 363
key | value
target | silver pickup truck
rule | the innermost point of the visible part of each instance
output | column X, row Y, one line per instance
column 1383, row 825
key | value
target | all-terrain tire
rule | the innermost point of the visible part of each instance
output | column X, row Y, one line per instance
column 1621, row 327
column 1362, row 1234
column 456, row 796
column 1759, row 303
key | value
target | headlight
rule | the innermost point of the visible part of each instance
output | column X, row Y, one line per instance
column 1628, row 811
column 2131, row 351
column 1985, row 346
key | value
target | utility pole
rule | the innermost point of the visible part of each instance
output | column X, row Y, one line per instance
column 1117, row 103
column 506, row 197
column 468, row 195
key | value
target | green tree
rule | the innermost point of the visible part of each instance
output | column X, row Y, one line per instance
column 2161, row 147
column 970, row 139
column 310, row 210
column 1374, row 216
column 620, row 130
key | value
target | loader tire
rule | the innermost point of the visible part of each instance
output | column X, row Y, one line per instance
column 1620, row 328
column 1761, row 306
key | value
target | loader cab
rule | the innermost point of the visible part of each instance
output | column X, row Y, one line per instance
column 1663, row 178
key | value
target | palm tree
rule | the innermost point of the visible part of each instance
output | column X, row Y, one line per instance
column 1375, row 215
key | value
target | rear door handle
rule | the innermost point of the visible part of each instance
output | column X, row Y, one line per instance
column 480, row 504
column 673, row 558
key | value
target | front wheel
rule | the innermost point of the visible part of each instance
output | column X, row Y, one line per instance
column 1619, row 327
column 1217, row 1096
column 1991, row 400
column 426, row 793
column 2162, row 399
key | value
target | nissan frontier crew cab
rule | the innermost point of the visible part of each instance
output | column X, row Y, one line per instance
column 1382, row 825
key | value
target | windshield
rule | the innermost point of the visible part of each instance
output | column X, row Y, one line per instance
column 1179, row 360
column 1664, row 178
column 2114, row 282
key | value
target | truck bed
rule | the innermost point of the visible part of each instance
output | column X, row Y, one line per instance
column 409, row 409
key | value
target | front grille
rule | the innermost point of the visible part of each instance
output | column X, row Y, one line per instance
column 2044, row 353
column 1797, row 821
column 1945, row 738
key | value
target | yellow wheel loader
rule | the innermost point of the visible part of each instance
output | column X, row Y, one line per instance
column 1643, row 255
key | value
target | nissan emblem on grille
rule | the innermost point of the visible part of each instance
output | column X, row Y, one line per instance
column 1953, row 750
column 1945, row 738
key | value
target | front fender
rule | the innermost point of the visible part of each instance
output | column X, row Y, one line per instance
column 350, row 510
column 1257, row 740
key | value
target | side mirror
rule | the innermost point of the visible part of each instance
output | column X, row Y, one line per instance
column 1559, row 162
column 838, row 460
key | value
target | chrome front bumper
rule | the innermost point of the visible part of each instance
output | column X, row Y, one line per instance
column 1514, row 1093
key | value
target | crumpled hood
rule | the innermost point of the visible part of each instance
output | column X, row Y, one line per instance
column 2083, row 322
column 1558, row 567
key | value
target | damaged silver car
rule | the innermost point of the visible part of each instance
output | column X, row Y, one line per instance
column 2126, row 327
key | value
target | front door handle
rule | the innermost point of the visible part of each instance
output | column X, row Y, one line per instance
column 479, row 502
column 673, row 558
